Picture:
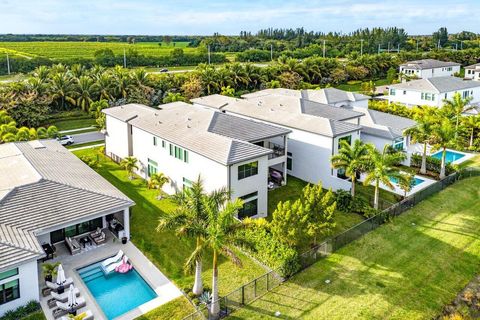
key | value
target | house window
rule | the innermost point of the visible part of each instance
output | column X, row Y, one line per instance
column 404, row 92
column 9, row 291
column 289, row 161
column 8, row 273
column 398, row 144
column 250, row 205
column 428, row 96
column 154, row 141
column 164, row 144
column 348, row 139
column 151, row 168
column 187, row 183
column 341, row 173
column 171, row 149
column 185, row 156
column 465, row 94
column 247, row 170
column 392, row 92
column 445, row 96
column 75, row 230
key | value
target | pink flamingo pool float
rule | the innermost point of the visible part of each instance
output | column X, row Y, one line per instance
column 124, row 267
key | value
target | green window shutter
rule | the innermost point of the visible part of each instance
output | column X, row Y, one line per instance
column 171, row 149
column 185, row 156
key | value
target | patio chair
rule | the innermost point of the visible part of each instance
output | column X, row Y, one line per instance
column 87, row 315
column 96, row 233
column 73, row 245
column 101, row 238
column 54, row 286
column 62, row 297
column 64, row 308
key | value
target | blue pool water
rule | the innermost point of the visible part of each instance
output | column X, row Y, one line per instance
column 416, row 181
column 116, row 293
column 450, row 156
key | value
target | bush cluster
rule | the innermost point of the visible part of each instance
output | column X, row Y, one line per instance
column 22, row 311
column 357, row 204
column 433, row 164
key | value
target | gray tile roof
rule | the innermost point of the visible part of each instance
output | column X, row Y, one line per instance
column 333, row 96
column 243, row 129
column 473, row 66
column 53, row 188
column 200, row 130
column 384, row 125
column 437, row 84
column 326, row 111
column 428, row 64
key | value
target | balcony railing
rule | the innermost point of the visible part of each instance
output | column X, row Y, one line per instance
column 278, row 150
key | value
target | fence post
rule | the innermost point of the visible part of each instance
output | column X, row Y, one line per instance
column 243, row 294
column 268, row 276
column 255, row 289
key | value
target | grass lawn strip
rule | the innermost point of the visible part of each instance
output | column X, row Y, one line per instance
column 407, row 269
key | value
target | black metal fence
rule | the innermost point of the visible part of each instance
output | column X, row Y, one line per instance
column 251, row 291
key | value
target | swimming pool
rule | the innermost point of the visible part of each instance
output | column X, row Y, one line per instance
column 416, row 181
column 116, row 293
column 450, row 156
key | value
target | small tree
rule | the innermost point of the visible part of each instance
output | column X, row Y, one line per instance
column 130, row 164
column 392, row 75
column 289, row 223
column 157, row 181
column 471, row 123
column 406, row 184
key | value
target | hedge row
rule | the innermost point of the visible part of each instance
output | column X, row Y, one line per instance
column 433, row 164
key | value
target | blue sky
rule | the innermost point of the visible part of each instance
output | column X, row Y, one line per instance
column 230, row 17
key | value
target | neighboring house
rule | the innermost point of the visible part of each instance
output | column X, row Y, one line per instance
column 330, row 96
column 433, row 91
column 473, row 72
column 429, row 68
column 184, row 142
column 46, row 195
column 316, row 129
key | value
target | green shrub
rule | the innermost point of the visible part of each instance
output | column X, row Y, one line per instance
column 433, row 164
column 344, row 200
column 22, row 311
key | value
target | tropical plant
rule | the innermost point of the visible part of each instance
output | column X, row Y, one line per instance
column 472, row 124
column 443, row 134
column 381, row 168
column 130, row 164
column 406, row 184
column 50, row 269
column 62, row 89
column 455, row 107
column 157, row 181
column 173, row 97
column 421, row 133
column 351, row 159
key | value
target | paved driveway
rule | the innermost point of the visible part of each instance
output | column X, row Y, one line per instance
column 87, row 137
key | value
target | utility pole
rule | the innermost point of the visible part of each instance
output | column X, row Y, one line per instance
column 208, row 54
column 379, row 48
column 456, row 46
column 361, row 47
column 8, row 64
column 461, row 45
column 417, row 45
column 438, row 45
column 271, row 52
column 388, row 48
column 324, row 48
column 124, row 59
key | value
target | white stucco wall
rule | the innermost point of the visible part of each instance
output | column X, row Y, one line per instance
column 430, row 73
column 29, row 290
column 412, row 98
column 116, row 139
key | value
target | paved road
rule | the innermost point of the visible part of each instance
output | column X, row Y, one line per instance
column 88, row 137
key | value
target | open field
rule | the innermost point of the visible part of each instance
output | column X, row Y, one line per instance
column 67, row 50
column 406, row 269
column 165, row 249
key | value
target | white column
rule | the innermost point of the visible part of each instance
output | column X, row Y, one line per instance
column 126, row 222
column 285, row 172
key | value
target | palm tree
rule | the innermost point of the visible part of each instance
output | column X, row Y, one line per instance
column 62, row 87
column 383, row 166
column 352, row 159
column 103, row 86
column 130, row 164
column 456, row 106
column 157, row 181
column 85, row 86
column 472, row 123
column 219, row 235
column 421, row 133
column 442, row 135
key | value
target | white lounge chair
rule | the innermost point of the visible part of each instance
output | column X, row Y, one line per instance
column 88, row 316
column 63, row 308
column 54, row 286
column 62, row 297
column 113, row 259
column 112, row 266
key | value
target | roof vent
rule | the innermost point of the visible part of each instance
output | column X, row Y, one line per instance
column 188, row 126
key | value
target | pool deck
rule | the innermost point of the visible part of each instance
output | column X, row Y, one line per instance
column 466, row 156
column 162, row 286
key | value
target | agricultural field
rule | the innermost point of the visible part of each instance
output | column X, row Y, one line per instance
column 67, row 50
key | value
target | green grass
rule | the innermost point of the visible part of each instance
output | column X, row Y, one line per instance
column 166, row 250
column 387, row 198
column 86, row 144
column 35, row 316
column 406, row 269
column 358, row 86
column 78, row 49
column 74, row 123
column 175, row 309
column 473, row 162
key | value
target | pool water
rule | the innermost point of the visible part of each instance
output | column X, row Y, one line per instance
column 450, row 156
column 415, row 182
column 116, row 293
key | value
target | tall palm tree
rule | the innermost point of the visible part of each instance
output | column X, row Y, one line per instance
column 443, row 135
column 421, row 133
column 382, row 167
column 85, row 88
column 62, row 88
column 130, row 164
column 456, row 106
column 471, row 123
column 352, row 159
column 104, row 85
column 157, row 181
column 219, row 236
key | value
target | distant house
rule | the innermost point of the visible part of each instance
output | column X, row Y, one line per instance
column 429, row 68
column 433, row 91
column 473, row 72
column 47, row 196
column 184, row 142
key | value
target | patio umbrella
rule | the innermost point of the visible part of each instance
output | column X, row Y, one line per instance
column 72, row 297
column 60, row 275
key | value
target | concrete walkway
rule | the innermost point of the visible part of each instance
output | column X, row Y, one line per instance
column 162, row 286
column 87, row 147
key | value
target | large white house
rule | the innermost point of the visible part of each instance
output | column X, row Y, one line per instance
column 316, row 129
column 184, row 142
column 47, row 196
column 433, row 91
column 429, row 68
column 473, row 72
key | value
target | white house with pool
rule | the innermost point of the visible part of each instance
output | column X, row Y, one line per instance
column 53, row 207
column 184, row 142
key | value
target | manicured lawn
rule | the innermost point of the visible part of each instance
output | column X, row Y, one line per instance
column 387, row 198
column 35, row 316
column 358, row 86
column 293, row 190
column 74, row 123
column 175, row 309
column 86, row 144
column 167, row 251
column 406, row 269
